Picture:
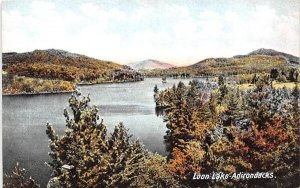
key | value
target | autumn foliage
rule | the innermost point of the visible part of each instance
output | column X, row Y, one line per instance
column 257, row 131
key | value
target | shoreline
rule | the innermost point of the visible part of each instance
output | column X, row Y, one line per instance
column 40, row 93
column 83, row 84
column 107, row 82
column 63, row 92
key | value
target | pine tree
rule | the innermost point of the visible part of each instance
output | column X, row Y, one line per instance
column 84, row 156
column 154, row 174
column 222, row 89
column 17, row 179
column 126, row 159
column 233, row 109
column 192, row 92
column 221, row 80
column 156, row 90
column 296, row 106
column 156, row 95
column 180, row 90
column 213, row 105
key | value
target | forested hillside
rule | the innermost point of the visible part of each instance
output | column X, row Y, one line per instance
column 259, row 61
column 61, row 65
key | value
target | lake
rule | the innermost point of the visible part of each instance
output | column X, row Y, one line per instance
column 25, row 117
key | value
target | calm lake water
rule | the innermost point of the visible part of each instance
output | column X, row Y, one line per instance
column 25, row 117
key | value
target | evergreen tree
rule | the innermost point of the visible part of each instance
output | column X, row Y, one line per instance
column 222, row 93
column 222, row 89
column 296, row 106
column 233, row 110
column 155, row 89
column 84, row 156
column 193, row 92
column 274, row 74
column 156, row 95
column 180, row 91
column 213, row 106
column 17, row 179
column 154, row 173
column 254, row 79
column 221, row 80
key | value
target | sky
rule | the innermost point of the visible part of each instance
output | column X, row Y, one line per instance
column 180, row 32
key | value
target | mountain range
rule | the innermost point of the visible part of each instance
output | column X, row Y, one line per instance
column 64, row 65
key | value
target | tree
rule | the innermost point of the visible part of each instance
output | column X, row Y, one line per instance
column 155, row 89
column 155, row 174
column 181, row 123
column 184, row 163
column 271, row 147
column 85, row 156
column 296, row 106
column 17, row 179
column 222, row 93
column 221, row 80
column 156, row 94
column 293, row 75
column 274, row 73
column 222, row 89
column 233, row 109
column 213, row 106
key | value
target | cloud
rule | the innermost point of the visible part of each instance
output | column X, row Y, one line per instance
column 176, row 33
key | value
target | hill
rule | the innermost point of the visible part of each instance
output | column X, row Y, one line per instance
column 62, row 65
column 258, row 61
column 240, row 65
column 270, row 52
column 150, row 64
column 53, row 64
column 57, row 64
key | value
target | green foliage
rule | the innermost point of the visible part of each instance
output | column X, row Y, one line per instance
column 84, row 156
column 154, row 173
column 17, row 179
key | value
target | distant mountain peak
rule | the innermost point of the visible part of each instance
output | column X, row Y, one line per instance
column 264, row 51
column 150, row 64
column 270, row 52
column 151, row 60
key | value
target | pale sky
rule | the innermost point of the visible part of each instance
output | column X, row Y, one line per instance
column 180, row 32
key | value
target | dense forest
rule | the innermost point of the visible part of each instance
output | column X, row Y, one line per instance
column 231, row 130
column 256, row 62
column 227, row 66
column 58, row 65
